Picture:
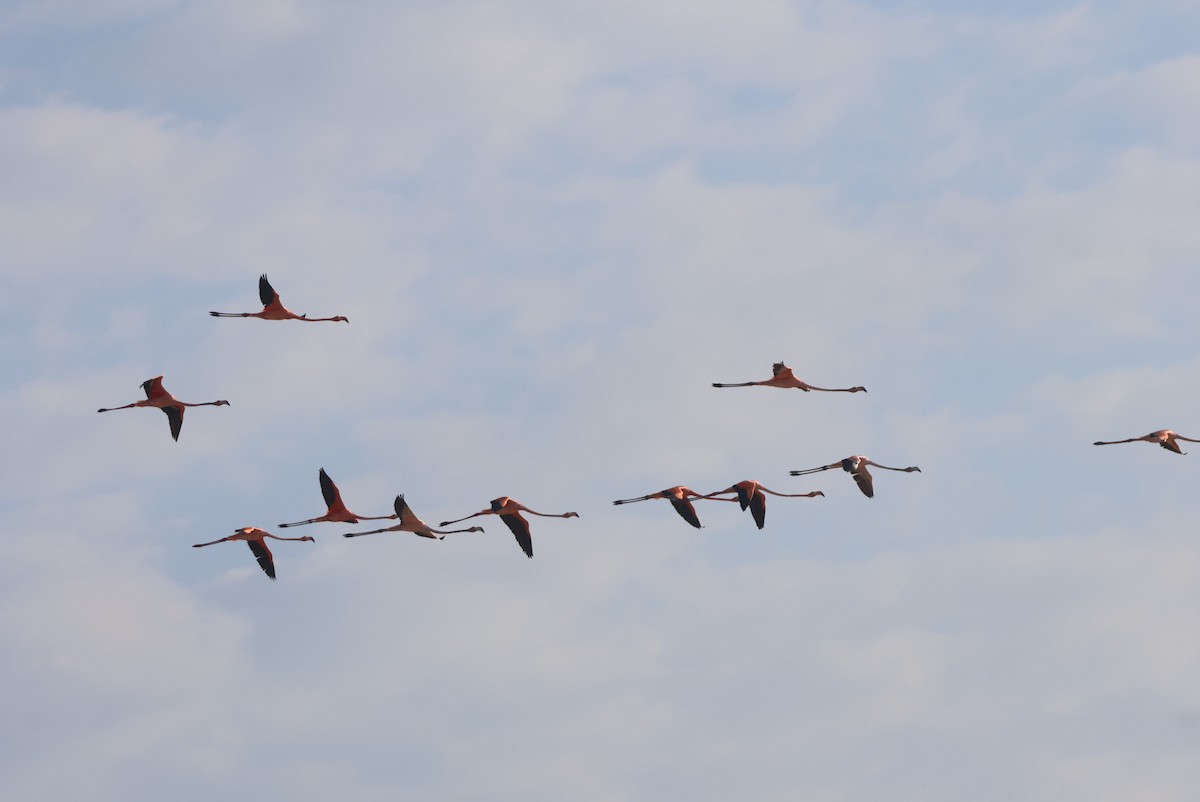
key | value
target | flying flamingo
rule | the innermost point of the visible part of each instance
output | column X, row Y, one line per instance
column 680, row 498
column 256, row 539
column 273, row 309
column 337, row 511
column 783, row 377
column 750, row 494
column 156, row 396
column 510, row 512
column 857, row 467
column 411, row 523
column 1164, row 437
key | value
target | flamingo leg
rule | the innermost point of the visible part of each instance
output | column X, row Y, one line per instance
column 642, row 498
column 127, row 406
column 212, row 543
column 815, row 470
column 807, row 387
column 372, row 532
column 473, row 515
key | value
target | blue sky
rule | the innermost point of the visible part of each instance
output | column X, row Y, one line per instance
column 553, row 226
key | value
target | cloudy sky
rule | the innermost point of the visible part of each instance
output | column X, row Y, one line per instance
column 553, row 226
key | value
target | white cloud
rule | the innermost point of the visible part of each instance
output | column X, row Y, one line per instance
column 552, row 229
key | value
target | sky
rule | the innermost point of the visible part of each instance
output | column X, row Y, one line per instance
column 553, row 226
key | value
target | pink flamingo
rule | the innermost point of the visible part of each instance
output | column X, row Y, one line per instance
column 1164, row 437
column 857, row 467
column 337, row 511
column 156, row 396
column 273, row 308
column 750, row 494
column 256, row 539
column 782, row 376
column 411, row 523
column 680, row 498
column 510, row 512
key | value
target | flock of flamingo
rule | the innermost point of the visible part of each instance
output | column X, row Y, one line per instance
column 748, row 493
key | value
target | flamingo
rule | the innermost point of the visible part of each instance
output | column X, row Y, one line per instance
column 1164, row 437
column 337, row 511
column 680, row 498
column 750, row 494
column 256, row 539
column 411, row 523
column 156, row 396
column 782, row 376
column 857, row 467
column 510, row 512
column 273, row 309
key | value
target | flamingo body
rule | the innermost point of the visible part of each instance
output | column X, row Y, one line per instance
column 783, row 377
column 510, row 512
column 411, row 523
column 255, row 538
column 1164, row 437
column 157, row 396
column 750, row 495
column 680, row 498
column 856, row 466
column 273, row 308
column 337, row 512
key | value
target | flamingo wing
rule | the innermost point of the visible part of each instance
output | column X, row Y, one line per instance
column 758, row 508
column 263, row 555
column 743, row 496
column 175, row 416
column 520, row 530
column 862, row 478
column 403, row 513
column 686, row 510
column 329, row 491
column 266, row 293
column 153, row 387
